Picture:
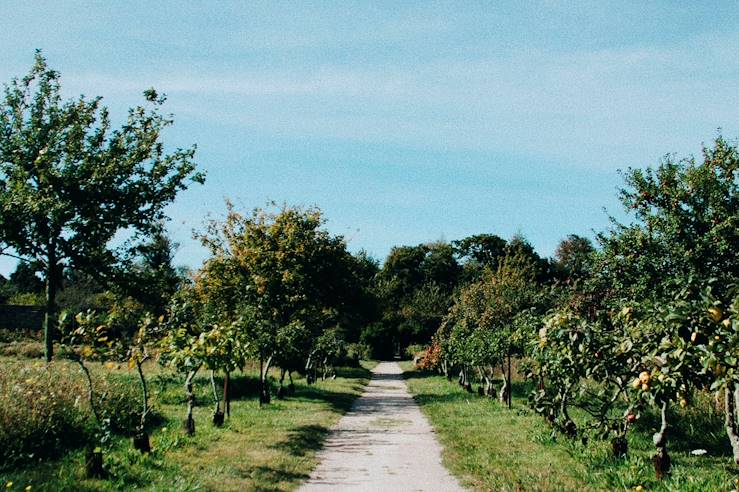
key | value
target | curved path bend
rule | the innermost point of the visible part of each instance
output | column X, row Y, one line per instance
column 383, row 443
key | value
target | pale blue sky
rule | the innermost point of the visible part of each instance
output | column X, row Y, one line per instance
column 405, row 121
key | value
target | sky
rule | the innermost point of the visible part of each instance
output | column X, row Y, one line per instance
column 404, row 122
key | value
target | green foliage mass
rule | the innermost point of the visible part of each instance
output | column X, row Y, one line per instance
column 69, row 182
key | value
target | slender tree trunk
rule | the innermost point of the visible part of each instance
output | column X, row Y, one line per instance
column 267, row 367
column 93, row 455
column 145, row 393
column 510, row 383
column 281, row 388
column 661, row 460
column 189, row 423
column 90, row 392
column 226, row 394
column 486, row 380
column 483, row 383
column 570, row 427
column 504, row 390
column 141, row 439
column 261, row 380
column 264, row 396
column 732, row 398
column 217, row 413
column 308, row 369
column 50, row 312
column 216, row 398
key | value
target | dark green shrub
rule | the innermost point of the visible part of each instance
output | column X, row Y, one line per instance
column 356, row 352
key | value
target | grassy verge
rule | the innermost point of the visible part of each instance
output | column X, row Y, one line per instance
column 269, row 448
column 492, row 448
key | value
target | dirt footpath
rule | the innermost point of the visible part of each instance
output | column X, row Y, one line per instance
column 383, row 443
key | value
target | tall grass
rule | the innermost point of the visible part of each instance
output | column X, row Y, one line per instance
column 45, row 411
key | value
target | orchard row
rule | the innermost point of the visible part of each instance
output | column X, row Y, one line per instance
column 649, row 319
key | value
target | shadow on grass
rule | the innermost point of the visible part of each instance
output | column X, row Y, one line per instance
column 521, row 389
column 264, row 475
column 338, row 400
column 303, row 439
column 353, row 372
column 421, row 374
column 241, row 386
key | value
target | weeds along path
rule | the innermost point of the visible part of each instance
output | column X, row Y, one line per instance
column 383, row 443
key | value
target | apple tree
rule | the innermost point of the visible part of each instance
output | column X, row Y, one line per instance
column 284, row 270
column 69, row 183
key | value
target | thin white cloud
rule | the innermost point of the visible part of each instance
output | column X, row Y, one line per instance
column 581, row 107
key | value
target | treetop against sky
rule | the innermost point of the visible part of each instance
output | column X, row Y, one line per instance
column 405, row 122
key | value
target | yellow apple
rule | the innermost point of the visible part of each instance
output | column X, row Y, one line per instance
column 715, row 314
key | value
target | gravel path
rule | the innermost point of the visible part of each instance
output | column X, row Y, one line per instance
column 383, row 443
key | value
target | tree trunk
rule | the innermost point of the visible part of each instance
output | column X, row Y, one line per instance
column 94, row 463
column 308, row 369
column 189, row 423
column 144, row 391
column 216, row 398
column 619, row 444
column 264, row 396
column 141, row 439
column 732, row 422
column 50, row 312
column 261, row 380
column 661, row 460
column 217, row 413
column 509, row 383
column 90, row 392
column 226, row 394
column 93, row 455
column 467, row 382
column 281, row 389
column 489, row 388
column 570, row 427
column 504, row 390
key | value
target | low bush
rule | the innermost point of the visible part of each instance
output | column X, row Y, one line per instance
column 29, row 349
column 45, row 410
column 415, row 349
column 27, row 299
column 7, row 335
column 356, row 352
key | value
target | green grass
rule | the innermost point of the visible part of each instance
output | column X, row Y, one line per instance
column 490, row 447
column 268, row 448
